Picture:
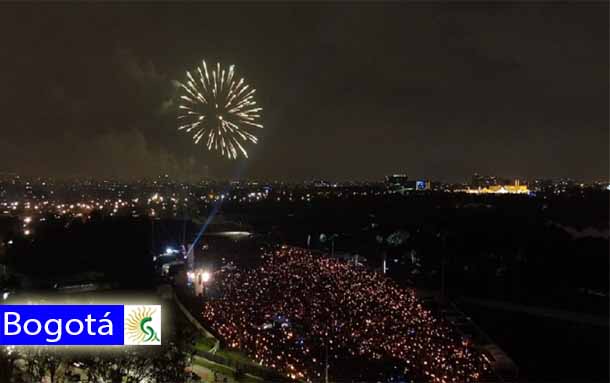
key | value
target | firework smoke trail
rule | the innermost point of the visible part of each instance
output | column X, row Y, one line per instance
column 218, row 110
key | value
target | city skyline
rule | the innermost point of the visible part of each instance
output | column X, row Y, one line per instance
column 240, row 191
column 380, row 178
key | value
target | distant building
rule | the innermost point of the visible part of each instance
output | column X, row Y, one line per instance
column 401, row 183
column 543, row 185
column 516, row 188
column 321, row 184
column 396, row 180
column 422, row 185
column 481, row 181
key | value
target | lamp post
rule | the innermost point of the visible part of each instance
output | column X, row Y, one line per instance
column 324, row 238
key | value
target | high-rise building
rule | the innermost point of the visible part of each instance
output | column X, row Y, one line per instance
column 401, row 183
column 396, row 180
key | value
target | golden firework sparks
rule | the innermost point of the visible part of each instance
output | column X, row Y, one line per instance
column 219, row 110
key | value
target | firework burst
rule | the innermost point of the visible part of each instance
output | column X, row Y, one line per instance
column 219, row 110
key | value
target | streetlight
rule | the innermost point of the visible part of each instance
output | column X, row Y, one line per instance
column 324, row 238
column 206, row 276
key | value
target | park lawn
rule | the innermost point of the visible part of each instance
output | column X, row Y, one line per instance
column 225, row 370
column 205, row 344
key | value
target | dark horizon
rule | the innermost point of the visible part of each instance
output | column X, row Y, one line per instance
column 349, row 91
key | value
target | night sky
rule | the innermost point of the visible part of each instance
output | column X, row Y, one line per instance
column 350, row 91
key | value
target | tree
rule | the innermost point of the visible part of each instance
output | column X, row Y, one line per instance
column 171, row 364
column 8, row 365
column 41, row 363
column 129, row 366
column 98, row 369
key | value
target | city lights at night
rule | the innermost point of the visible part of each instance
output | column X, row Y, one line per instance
column 338, row 192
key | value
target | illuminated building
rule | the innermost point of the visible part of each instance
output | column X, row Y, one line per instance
column 401, row 183
column 517, row 188
column 396, row 180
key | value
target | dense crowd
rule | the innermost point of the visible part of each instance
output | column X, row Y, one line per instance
column 298, row 312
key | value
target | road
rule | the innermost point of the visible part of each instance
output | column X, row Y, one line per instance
column 539, row 311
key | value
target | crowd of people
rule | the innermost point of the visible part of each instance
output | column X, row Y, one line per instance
column 311, row 317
